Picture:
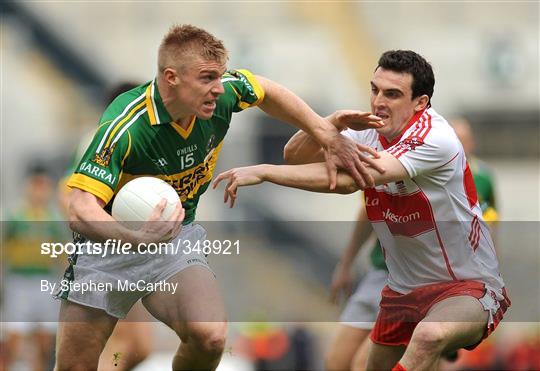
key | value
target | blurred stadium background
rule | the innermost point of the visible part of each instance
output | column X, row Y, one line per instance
column 58, row 59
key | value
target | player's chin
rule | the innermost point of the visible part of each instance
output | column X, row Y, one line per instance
column 381, row 130
column 206, row 113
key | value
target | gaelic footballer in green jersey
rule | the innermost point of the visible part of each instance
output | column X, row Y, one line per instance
column 137, row 137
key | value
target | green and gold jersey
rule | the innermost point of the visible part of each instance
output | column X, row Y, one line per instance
column 137, row 137
column 483, row 181
column 23, row 233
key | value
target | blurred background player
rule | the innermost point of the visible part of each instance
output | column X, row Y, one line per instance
column 131, row 340
column 482, row 174
column 349, row 348
column 33, row 222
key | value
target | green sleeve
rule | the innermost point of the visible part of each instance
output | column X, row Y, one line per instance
column 245, row 86
column 99, row 169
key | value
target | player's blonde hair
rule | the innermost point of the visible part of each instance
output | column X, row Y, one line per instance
column 184, row 42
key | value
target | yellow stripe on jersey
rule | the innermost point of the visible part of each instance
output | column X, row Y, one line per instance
column 120, row 123
column 88, row 184
column 257, row 88
column 235, row 92
column 128, row 149
column 150, row 105
column 184, row 133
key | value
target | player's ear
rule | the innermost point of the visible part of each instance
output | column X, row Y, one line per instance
column 421, row 103
column 171, row 76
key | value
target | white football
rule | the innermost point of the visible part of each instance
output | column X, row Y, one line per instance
column 137, row 199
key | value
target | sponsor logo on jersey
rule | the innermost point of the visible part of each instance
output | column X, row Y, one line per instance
column 405, row 215
column 104, row 157
column 395, row 218
column 189, row 182
column 91, row 169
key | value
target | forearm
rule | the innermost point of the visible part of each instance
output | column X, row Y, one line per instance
column 284, row 105
column 309, row 177
column 315, row 177
column 303, row 149
column 87, row 217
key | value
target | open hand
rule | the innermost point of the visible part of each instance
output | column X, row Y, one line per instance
column 342, row 280
column 356, row 120
column 238, row 177
column 345, row 154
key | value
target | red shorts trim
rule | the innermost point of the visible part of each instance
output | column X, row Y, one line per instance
column 400, row 313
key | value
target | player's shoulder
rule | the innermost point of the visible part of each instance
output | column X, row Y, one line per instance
column 125, row 105
column 368, row 137
column 432, row 127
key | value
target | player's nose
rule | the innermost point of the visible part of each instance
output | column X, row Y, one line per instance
column 218, row 88
column 378, row 100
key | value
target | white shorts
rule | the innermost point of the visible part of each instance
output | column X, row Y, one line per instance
column 25, row 307
column 114, row 283
column 363, row 306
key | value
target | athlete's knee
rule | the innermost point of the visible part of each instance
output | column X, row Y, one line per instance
column 208, row 337
column 430, row 337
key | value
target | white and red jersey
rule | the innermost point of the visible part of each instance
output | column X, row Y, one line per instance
column 430, row 225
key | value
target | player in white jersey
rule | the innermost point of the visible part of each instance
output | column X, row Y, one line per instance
column 444, row 291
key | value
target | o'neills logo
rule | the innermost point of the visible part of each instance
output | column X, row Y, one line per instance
column 394, row 218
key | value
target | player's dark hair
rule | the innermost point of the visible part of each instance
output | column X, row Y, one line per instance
column 410, row 62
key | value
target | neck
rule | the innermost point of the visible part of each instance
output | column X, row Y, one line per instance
column 168, row 97
column 396, row 133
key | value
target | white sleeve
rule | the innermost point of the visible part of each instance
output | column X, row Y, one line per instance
column 367, row 137
column 420, row 154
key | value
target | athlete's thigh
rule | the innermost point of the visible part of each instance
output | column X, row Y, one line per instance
column 197, row 299
column 383, row 357
column 82, row 333
column 462, row 319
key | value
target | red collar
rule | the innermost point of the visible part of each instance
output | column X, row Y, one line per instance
column 413, row 119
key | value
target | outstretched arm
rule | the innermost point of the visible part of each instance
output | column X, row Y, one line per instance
column 339, row 152
column 309, row 177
